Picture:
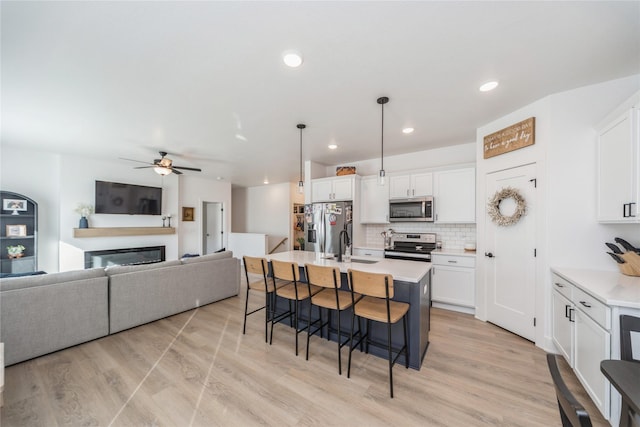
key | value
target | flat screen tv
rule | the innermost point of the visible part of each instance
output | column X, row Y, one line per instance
column 118, row 198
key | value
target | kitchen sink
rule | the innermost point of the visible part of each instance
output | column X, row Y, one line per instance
column 364, row 261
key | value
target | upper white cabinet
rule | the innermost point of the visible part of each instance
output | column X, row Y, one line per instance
column 374, row 201
column 454, row 193
column 334, row 188
column 619, row 168
column 414, row 185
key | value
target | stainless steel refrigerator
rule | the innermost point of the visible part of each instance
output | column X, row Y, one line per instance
column 323, row 223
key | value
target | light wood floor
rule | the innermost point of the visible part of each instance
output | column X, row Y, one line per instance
column 197, row 369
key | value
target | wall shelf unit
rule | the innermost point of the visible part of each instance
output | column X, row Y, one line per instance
column 121, row 231
column 18, row 226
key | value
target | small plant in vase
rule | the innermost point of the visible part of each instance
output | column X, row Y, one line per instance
column 84, row 210
column 15, row 251
column 300, row 241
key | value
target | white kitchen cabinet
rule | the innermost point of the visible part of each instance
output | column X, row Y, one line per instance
column 453, row 282
column 454, row 193
column 334, row 188
column 412, row 185
column 374, row 201
column 592, row 345
column 562, row 323
column 581, row 330
column 619, row 168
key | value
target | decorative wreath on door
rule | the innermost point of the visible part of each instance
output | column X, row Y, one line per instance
column 493, row 207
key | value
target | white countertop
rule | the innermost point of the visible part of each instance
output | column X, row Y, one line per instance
column 611, row 288
column 456, row 252
column 406, row 271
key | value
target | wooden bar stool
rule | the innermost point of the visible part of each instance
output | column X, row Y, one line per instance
column 256, row 270
column 330, row 298
column 376, row 305
column 295, row 291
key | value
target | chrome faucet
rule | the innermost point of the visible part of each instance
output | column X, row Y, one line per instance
column 347, row 242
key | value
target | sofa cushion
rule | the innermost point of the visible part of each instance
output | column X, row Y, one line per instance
column 7, row 284
column 209, row 257
column 121, row 269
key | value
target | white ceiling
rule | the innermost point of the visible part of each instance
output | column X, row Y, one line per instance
column 205, row 81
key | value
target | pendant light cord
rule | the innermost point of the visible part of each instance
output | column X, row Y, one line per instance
column 382, row 140
column 301, row 126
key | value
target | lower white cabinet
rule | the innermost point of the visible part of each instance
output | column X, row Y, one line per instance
column 563, row 318
column 453, row 282
column 581, row 330
column 593, row 344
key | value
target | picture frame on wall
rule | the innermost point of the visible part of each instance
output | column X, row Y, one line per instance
column 16, row 230
column 188, row 214
column 15, row 205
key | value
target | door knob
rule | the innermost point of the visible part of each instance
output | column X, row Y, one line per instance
column 488, row 255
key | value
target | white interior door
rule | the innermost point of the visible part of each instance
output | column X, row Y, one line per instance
column 213, row 231
column 510, row 257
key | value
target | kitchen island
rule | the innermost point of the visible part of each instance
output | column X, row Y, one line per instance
column 411, row 282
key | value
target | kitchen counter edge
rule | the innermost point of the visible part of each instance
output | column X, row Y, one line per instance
column 609, row 287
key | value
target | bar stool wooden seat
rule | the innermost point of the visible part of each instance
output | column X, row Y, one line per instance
column 256, row 271
column 295, row 291
column 376, row 305
column 330, row 298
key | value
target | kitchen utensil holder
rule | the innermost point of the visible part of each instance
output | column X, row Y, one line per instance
column 631, row 266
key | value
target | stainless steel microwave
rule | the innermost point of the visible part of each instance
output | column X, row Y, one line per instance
column 411, row 210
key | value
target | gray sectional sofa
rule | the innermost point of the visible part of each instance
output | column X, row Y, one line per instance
column 46, row 313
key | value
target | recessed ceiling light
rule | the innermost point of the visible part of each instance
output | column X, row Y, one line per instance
column 407, row 130
column 488, row 86
column 266, row 181
column 292, row 58
column 332, row 146
column 220, row 178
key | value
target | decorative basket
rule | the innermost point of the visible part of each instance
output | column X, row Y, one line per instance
column 345, row 170
column 631, row 266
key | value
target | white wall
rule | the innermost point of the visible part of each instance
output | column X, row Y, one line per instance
column 194, row 192
column 565, row 153
column 575, row 238
column 434, row 158
column 36, row 175
column 268, row 211
column 59, row 182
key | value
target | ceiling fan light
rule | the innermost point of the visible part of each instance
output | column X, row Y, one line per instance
column 162, row 170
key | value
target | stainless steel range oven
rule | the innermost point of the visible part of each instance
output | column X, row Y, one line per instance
column 411, row 246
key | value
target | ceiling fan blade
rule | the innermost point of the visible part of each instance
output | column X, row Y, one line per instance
column 133, row 160
column 177, row 172
column 187, row 169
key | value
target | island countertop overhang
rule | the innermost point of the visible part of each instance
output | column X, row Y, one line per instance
column 401, row 270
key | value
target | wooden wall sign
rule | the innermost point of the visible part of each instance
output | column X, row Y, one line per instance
column 516, row 136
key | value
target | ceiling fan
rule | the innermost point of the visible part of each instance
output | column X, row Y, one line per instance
column 164, row 165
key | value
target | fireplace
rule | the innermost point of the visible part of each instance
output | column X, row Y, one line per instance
column 125, row 256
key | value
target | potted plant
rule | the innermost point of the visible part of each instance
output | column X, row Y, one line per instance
column 300, row 241
column 84, row 210
column 15, row 251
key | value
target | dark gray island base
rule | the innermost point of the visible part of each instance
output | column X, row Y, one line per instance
column 417, row 294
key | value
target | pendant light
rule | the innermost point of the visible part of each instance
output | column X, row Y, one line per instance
column 381, row 175
column 301, row 182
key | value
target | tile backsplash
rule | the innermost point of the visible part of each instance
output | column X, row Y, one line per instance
column 453, row 236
